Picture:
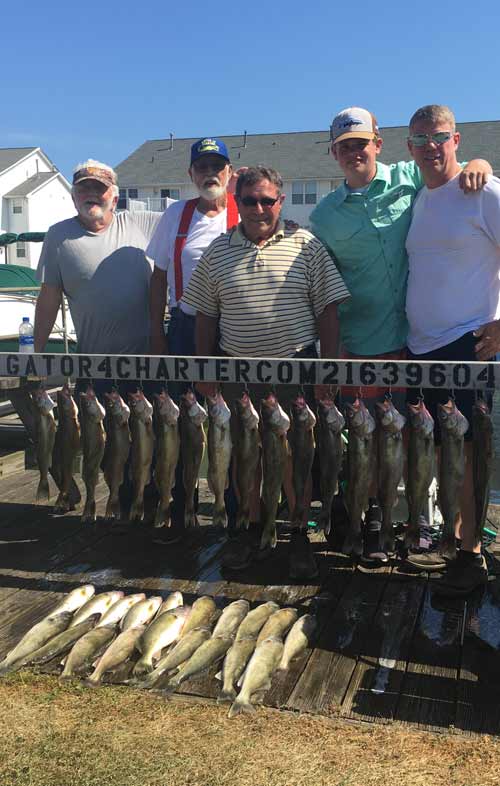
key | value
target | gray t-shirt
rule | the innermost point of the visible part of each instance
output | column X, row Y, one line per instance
column 105, row 277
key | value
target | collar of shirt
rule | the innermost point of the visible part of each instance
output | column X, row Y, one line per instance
column 238, row 238
column 341, row 193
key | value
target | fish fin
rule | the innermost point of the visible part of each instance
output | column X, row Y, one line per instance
column 226, row 696
column 218, row 676
column 42, row 492
column 239, row 706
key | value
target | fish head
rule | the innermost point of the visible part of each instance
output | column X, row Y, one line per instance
column 66, row 403
column 218, row 410
column 165, row 408
column 247, row 412
column 303, row 414
column 451, row 419
column 91, row 405
column 273, row 415
column 140, row 407
column 388, row 416
column 43, row 401
column 421, row 419
column 192, row 408
column 330, row 415
column 116, row 407
column 359, row 419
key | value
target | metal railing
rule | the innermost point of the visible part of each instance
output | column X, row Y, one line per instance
column 29, row 295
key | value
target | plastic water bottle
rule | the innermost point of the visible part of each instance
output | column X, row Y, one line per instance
column 26, row 341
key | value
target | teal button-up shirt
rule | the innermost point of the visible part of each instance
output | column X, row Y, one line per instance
column 366, row 234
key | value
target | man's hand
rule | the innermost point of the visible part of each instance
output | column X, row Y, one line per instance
column 292, row 226
column 474, row 176
column 206, row 388
column 489, row 343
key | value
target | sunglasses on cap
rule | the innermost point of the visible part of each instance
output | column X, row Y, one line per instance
column 439, row 138
column 250, row 201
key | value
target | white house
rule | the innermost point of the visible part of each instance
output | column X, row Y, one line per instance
column 33, row 195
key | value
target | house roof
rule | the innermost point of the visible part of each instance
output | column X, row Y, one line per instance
column 296, row 155
column 11, row 155
column 31, row 184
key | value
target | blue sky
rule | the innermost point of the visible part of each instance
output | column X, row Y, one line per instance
column 82, row 83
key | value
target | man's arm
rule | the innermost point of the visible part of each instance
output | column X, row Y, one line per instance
column 47, row 306
column 205, row 338
column 328, row 331
column 474, row 175
column 157, row 305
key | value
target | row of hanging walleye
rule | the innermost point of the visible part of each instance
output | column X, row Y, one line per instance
column 142, row 428
column 164, row 643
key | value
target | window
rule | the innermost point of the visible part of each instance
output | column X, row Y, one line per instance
column 122, row 199
column 133, row 193
column 17, row 206
column 171, row 193
column 304, row 192
column 21, row 249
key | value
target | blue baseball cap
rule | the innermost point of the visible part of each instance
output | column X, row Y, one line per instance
column 208, row 145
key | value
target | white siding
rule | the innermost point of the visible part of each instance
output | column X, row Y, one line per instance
column 13, row 177
column 48, row 205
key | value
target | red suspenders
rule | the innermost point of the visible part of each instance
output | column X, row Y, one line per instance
column 182, row 233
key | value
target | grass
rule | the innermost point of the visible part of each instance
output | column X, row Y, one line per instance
column 54, row 735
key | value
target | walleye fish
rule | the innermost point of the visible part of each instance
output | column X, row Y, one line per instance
column 192, row 446
column 259, row 671
column 202, row 612
column 117, row 653
column 233, row 667
column 116, row 451
column 247, row 454
column 141, row 613
column 483, row 457
column 231, row 618
column 207, row 654
column 99, row 604
column 329, row 436
column 117, row 611
column 59, row 644
column 303, row 446
column 93, row 443
column 278, row 624
column 35, row 638
column 360, row 463
column 74, row 600
column 219, row 454
column 168, row 443
column 84, row 653
column 141, row 453
column 255, row 620
column 161, row 633
column 66, row 446
column 451, row 471
column 178, row 655
column 45, row 432
column 421, row 461
column 274, row 457
column 390, row 465
column 173, row 600
column 298, row 640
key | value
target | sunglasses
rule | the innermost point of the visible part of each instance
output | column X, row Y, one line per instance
column 420, row 140
column 250, row 201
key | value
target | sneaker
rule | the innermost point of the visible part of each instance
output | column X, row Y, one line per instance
column 238, row 552
column 464, row 574
column 430, row 559
column 302, row 563
column 373, row 555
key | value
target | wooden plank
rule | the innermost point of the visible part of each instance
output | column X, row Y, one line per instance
column 428, row 692
column 374, row 688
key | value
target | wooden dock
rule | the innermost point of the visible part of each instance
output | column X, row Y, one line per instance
column 388, row 649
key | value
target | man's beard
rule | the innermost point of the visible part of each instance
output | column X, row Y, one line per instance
column 96, row 212
column 212, row 192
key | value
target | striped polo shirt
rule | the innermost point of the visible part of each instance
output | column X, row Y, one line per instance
column 267, row 297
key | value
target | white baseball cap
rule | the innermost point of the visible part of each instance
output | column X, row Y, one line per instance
column 353, row 123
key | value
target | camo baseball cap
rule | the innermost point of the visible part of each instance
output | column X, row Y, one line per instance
column 105, row 176
column 353, row 123
column 208, row 145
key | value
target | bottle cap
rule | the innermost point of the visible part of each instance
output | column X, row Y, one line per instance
column 26, row 319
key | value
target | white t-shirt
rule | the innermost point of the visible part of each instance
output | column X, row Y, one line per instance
column 453, row 247
column 202, row 231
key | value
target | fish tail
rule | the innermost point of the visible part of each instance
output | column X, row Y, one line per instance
column 137, row 510
column 43, row 491
column 226, row 695
column 93, row 681
column 142, row 667
column 88, row 515
column 162, row 516
column 240, row 706
column 190, row 520
column 220, row 517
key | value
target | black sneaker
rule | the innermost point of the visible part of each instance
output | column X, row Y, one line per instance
column 238, row 552
column 464, row 575
column 373, row 555
column 302, row 563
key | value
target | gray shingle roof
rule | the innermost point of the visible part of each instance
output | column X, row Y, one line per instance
column 11, row 155
column 32, row 183
column 300, row 155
